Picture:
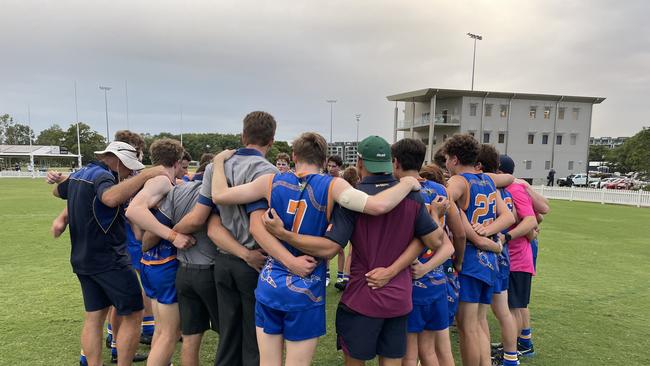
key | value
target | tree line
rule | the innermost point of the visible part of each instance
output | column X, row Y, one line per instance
column 632, row 156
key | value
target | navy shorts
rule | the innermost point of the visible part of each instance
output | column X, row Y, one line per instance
column 159, row 281
column 363, row 338
column 434, row 316
column 519, row 291
column 473, row 290
column 119, row 288
column 293, row 325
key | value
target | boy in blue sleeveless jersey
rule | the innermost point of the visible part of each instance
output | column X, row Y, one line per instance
column 159, row 262
column 290, row 306
column 476, row 194
column 428, row 322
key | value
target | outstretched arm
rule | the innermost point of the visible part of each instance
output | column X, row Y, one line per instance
column 241, row 194
column 501, row 180
column 347, row 196
column 122, row 192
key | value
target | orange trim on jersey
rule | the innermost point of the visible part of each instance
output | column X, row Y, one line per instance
column 466, row 203
column 157, row 262
column 330, row 199
column 268, row 197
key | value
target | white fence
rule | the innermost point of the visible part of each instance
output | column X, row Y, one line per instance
column 18, row 174
column 621, row 197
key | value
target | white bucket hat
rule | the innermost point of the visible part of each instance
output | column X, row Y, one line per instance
column 127, row 154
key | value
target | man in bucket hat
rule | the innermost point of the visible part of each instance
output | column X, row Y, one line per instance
column 95, row 195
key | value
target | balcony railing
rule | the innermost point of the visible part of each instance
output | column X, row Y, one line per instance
column 440, row 120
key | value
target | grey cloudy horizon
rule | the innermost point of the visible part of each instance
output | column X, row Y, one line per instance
column 218, row 60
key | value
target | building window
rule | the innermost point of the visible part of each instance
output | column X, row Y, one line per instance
column 573, row 139
column 570, row 165
column 529, row 164
column 547, row 112
column 488, row 110
column 471, row 133
column 472, row 109
column 504, row 111
column 558, row 140
column 502, row 137
column 560, row 112
column 532, row 112
column 486, row 137
column 547, row 164
column 545, row 139
column 576, row 113
column 531, row 139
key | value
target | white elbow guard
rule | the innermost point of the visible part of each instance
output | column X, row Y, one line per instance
column 353, row 199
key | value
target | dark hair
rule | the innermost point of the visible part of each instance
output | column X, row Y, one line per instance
column 283, row 156
column 259, row 129
column 131, row 138
column 166, row 152
column 488, row 156
column 187, row 156
column 335, row 159
column 351, row 175
column 310, row 148
column 439, row 159
column 434, row 173
column 206, row 159
column 409, row 153
column 464, row 147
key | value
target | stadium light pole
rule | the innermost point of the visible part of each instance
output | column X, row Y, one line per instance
column 181, row 125
column 358, row 118
column 76, row 112
column 474, row 37
column 106, row 89
column 126, row 92
column 331, row 102
column 29, row 135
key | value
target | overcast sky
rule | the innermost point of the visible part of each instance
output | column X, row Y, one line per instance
column 218, row 60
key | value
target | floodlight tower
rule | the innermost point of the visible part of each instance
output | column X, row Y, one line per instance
column 331, row 102
column 106, row 89
column 475, row 37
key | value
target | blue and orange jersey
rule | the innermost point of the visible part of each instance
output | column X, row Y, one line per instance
column 480, row 207
column 433, row 284
column 304, row 204
column 164, row 251
column 503, row 258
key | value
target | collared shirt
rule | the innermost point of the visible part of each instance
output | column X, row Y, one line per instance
column 378, row 241
column 97, row 232
column 241, row 168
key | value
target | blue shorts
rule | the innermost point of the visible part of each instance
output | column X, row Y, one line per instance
column 473, row 290
column 135, row 253
column 501, row 284
column 434, row 316
column 453, row 288
column 159, row 281
column 293, row 325
column 534, row 247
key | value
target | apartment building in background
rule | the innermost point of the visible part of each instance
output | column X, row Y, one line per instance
column 539, row 131
column 610, row 142
column 346, row 150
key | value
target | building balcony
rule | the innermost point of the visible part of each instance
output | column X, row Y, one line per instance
column 424, row 121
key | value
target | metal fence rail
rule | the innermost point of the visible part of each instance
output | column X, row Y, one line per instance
column 18, row 174
column 617, row 196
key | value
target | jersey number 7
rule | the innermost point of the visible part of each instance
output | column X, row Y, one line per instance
column 298, row 209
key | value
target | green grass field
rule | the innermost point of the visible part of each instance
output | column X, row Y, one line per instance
column 590, row 302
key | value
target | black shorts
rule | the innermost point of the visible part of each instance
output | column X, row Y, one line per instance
column 519, row 290
column 197, row 298
column 119, row 287
column 362, row 337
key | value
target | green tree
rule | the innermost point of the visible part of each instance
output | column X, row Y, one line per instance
column 53, row 135
column 278, row 147
column 91, row 141
column 633, row 155
column 5, row 121
column 598, row 152
column 18, row 134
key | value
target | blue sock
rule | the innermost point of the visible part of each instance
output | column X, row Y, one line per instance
column 148, row 324
column 510, row 359
column 526, row 338
column 113, row 349
column 339, row 274
column 109, row 331
column 82, row 359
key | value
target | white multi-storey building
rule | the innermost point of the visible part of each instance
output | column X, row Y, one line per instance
column 610, row 142
column 538, row 131
column 346, row 150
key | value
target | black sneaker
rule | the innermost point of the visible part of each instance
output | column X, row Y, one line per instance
column 524, row 351
column 496, row 349
column 497, row 360
column 146, row 339
column 109, row 339
column 341, row 285
column 138, row 357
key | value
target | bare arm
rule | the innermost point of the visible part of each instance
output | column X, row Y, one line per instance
column 149, row 240
column 378, row 204
column 301, row 266
column 501, row 180
column 504, row 220
column 120, row 193
column 459, row 239
column 60, row 223
column 316, row 246
column 380, row 276
column 439, row 257
column 194, row 220
column 540, row 203
column 477, row 240
column 138, row 212
column 527, row 224
column 241, row 194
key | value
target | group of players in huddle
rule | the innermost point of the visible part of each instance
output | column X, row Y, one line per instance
column 242, row 248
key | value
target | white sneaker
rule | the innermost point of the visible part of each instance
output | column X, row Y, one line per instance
column 327, row 282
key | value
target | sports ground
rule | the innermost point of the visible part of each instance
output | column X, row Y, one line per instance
column 590, row 302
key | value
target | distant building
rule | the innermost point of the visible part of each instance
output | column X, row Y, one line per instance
column 610, row 142
column 538, row 131
column 346, row 150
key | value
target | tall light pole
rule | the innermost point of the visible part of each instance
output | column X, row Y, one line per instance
column 29, row 135
column 331, row 102
column 181, row 125
column 126, row 92
column 76, row 112
column 106, row 89
column 358, row 118
column 474, row 37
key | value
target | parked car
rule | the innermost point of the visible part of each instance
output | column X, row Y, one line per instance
column 621, row 183
column 601, row 182
column 580, row 180
column 565, row 182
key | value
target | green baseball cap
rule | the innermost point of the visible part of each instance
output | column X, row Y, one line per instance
column 376, row 156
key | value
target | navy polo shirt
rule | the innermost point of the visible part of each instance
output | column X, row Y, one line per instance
column 97, row 232
column 378, row 241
